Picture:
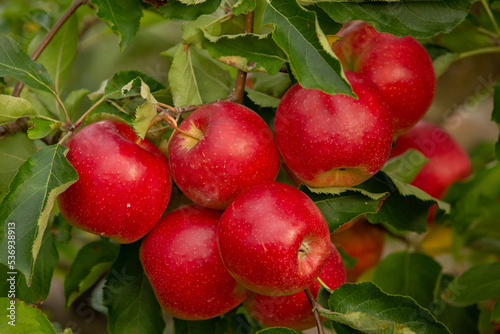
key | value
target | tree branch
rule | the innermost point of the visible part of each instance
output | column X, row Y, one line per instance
column 50, row 35
column 241, row 76
column 313, row 303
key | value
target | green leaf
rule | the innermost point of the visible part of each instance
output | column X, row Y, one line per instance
column 479, row 283
column 14, row 150
column 311, row 58
column 195, row 78
column 146, row 111
column 91, row 262
column 406, row 166
column 243, row 7
column 495, row 312
column 62, row 231
column 329, row 26
column 349, row 261
column 457, row 319
column 39, row 128
column 340, row 205
column 366, row 308
column 277, row 330
column 323, row 296
column 114, row 87
column 16, row 63
column 27, row 319
column 143, row 117
column 247, row 52
column 60, row 54
column 174, row 9
column 27, row 206
column 262, row 99
column 131, row 302
column 443, row 62
column 420, row 19
column 208, row 326
column 409, row 274
column 476, row 212
column 495, row 116
column 45, row 265
column 193, row 32
column 12, row 108
column 407, row 207
column 274, row 85
column 112, row 111
column 122, row 16
column 73, row 101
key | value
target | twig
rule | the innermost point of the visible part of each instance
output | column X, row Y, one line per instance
column 21, row 124
column 314, row 306
column 79, row 122
column 50, row 35
column 241, row 76
column 193, row 107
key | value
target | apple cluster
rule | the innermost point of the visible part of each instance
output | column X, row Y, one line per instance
column 244, row 232
column 247, row 238
column 338, row 140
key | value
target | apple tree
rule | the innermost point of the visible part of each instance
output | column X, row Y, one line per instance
column 249, row 166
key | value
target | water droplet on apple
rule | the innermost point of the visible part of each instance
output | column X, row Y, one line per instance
column 128, row 205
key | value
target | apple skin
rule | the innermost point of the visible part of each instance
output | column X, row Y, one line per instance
column 273, row 239
column 182, row 262
column 334, row 140
column 236, row 150
column 448, row 161
column 400, row 67
column 294, row 311
column 123, row 186
column 363, row 241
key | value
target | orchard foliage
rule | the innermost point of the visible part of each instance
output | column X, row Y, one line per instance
column 249, row 51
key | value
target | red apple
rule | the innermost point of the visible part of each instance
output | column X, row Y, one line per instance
column 182, row 262
column 363, row 241
column 448, row 162
column 295, row 311
column 273, row 239
column 334, row 140
column 400, row 67
column 236, row 150
column 124, row 183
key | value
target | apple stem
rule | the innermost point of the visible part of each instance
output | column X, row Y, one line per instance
column 171, row 121
column 65, row 137
column 326, row 287
column 164, row 116
column 314, row 306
